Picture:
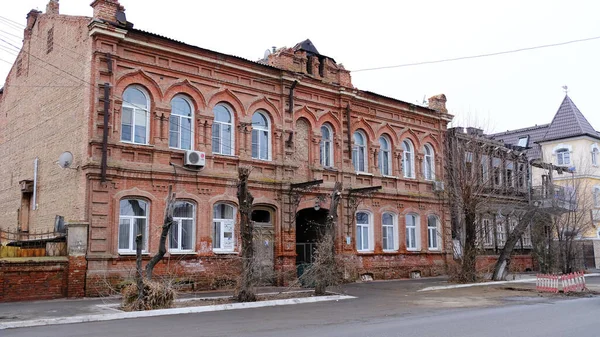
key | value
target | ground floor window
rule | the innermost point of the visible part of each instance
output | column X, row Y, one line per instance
column 223, row 228
column 181, row 234
column 133, row 219
column 363, row 231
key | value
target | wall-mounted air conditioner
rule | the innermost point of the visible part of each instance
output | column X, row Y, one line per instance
column 195, row 158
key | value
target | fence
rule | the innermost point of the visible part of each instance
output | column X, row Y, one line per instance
column 30, row 244
column 573, row 282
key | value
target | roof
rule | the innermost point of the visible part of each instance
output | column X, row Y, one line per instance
column 569, row 122
column 307, row 45
column 536, row 133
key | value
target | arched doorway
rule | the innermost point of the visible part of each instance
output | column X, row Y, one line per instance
column 309, row 223
column 263, row 242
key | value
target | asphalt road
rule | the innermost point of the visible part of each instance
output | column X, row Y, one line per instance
column 372, row 317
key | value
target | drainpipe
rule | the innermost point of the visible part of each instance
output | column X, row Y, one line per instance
column 291, row 97
column 349, row 135
column 103, row 164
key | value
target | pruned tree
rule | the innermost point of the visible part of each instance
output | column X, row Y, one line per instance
column 245, row 292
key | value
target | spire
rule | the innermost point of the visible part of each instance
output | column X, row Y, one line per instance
column 569, row 122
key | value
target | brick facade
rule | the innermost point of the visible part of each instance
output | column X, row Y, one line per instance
column 296, row 99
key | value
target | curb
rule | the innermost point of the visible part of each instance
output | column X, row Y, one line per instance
column 167, row 312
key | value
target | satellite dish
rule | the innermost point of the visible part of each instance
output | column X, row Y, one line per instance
column 65, row 160
column 267, row 53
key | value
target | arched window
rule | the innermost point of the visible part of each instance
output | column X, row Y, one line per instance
column 429, row 163
column 596, row 196
column 223, row 228
column 433, row 237
column 408, row 160
column 412, row 232
column 222, row 135
column 135, row 118
column 181, row 234
column 133, row 219
column 563, row 157
column 181, row 124
column 364, row 232
column 595, row 153
column 359, row 152
column 326, row 146
column 389, row 231
column 385, row 156
column 261, row 136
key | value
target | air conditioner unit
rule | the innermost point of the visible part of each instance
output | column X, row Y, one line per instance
column 195, row 158
column 438, row 186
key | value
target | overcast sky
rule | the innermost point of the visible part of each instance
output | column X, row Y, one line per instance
column 498, row 92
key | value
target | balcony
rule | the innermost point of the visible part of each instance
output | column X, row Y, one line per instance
column 554, row 198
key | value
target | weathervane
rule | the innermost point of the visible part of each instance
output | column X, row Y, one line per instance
column 566, row 89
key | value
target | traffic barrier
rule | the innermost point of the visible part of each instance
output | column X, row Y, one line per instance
column 573, row 282
column 547, row 283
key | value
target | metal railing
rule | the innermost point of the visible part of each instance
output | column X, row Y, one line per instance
column 553, row 196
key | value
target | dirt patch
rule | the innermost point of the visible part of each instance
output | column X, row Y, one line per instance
column 199, row 302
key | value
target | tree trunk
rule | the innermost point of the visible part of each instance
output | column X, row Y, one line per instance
column 503, row 262
column 167, row 222
column 328, row 242
column 469, row 270
column 245, row 200
column 138, row 267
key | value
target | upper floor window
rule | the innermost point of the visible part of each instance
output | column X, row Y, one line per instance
column 412, row 232
column 261, row 136
column 428, row 163
column 133, row 219
column 563, row 157
column 595, row 153
column 222, row 135
column 389, row 232
column 433, row 237
column 326, row 146
column 135, row 117
column 523, row 141
column 223, row 228
column 181, row 234
column 363, row 231
column 385, row 156
column 408, row 159
column 359, row 152
column 181, row 124
column 596, row 196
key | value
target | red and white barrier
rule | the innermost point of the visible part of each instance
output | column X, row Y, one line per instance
column 573, row 282
column 547, row 283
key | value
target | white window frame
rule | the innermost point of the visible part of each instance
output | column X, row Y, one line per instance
column 176, row 226
column 487, row 232
column 595, row 154
column 596, row 196
column 429, row 162
column 222, row 223
column 526, row 237
column 563, row 157
column 360, row 229
column 394, row 229
column 500, row 232
column 408, row 159
column 385, row 155
column 414, row 227
column 134, row 109
column 259, row 129
column 221, row 126
column 357, row 150
column 433, row 232
column 326, row 146
column 131, row 219
column 181, row 128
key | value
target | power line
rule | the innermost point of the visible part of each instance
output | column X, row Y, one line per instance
column 480, row 55
column 3, row 60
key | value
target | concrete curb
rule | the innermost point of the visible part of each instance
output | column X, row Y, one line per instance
column 166, row 312
column 454, row 286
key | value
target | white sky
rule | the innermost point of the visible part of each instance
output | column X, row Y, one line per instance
column 498, row 92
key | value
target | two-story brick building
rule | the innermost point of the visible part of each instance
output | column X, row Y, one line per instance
column 139, row 112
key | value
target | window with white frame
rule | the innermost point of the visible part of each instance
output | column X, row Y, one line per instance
column 412, row 232
column 563, row 157
column 428, row 163
column 133, row 219
column 181, row 134
column 363, row 232
column 526, row 237
column 596, row 194
column 509, row 174
column 408, row 159
column 181, row 234
column 326, row 148
column 222, row 130
column 433, row 237
column 500, row 232
column 385, row 156
column 359, row 152
column 595, row 153
column 389, row 231
column 261, row 136
column 223, row 228
column 135, row 116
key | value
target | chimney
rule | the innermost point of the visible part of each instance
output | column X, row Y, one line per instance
column 52, row 7
column 107, row 9
column 31, row 19
column 438, row 103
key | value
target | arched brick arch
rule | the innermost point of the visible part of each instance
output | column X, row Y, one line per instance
column 428, row 139
column 186, row 87
column 226, row 96
column 366, row 127
column 141, row 78
column 222, row 198
column 410, row 134
column 333, row 120
column 307, row 114
column 264, row 104
column 387, row 129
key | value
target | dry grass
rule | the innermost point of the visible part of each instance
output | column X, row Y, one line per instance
column 158, row 295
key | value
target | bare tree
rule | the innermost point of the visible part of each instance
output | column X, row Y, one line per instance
column 325, row 265
column 245, row 199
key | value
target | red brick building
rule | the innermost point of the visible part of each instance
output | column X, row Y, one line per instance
column 140, row 112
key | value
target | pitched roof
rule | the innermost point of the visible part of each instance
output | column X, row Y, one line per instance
column 535, row 133
column 569, row 122
column 308, row 46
